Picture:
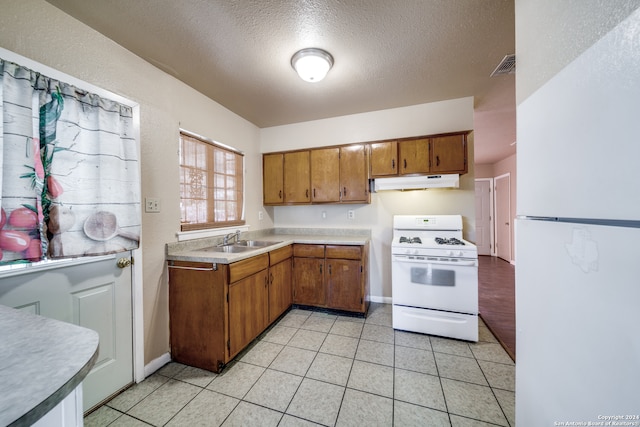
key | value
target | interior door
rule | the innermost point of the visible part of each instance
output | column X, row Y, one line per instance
column 95, row 294
column 484, row 235
column 502, row 194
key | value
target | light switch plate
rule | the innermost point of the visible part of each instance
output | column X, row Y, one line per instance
column 151, row 204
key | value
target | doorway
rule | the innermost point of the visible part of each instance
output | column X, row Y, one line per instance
column 502, row 195
column 484, row 214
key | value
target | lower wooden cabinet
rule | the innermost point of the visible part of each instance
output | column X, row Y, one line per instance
column 198, row 314
column 343, row 280
column 248, row 310
column 331, row 276
column 216, row 310
column 280, row 282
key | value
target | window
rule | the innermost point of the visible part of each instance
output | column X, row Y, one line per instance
column 211, row 184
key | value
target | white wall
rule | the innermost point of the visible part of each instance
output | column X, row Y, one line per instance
column 424, row 119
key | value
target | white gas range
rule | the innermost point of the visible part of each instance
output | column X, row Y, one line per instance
column 434, row 277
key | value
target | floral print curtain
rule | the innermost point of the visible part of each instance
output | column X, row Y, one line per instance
column 69, row 182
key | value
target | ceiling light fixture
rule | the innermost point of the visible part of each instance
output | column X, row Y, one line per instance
column 312, row 64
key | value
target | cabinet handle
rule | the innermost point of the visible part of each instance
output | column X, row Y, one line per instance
column 329, row 269
column 393, row 163
column 280, row 194
column 314, row 193
column 344, row 191
column 307, row 193
column 320, row 268
column 213, row 267
column 405, row 163
column 437, row 160
column 271, row 279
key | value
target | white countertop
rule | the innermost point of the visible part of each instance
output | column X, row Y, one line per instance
column 41, row 361
column 195, row 250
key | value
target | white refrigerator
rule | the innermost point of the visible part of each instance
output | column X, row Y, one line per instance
column 578, row 240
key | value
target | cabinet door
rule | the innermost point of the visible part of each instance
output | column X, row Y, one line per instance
column 414, row 156
column 384, row 158
column 248, row 310
column 273, row 178
column 296, row 177
column 449, row 154
column 344, row 284
column 308, row 281
column 325, row 175
column 280, row 289
column 354, row 183
column 197, row 318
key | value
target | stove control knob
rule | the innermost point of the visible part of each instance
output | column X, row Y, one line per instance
column 450, row 253
column 460, row 253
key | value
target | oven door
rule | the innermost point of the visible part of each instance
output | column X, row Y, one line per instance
column 429, row 282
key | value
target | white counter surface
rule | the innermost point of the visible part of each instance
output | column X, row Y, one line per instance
column 196, row 250
column 41, row 361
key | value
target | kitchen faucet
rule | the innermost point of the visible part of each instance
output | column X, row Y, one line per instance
column 230, row 236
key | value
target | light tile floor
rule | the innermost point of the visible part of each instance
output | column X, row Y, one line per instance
column 313, row 368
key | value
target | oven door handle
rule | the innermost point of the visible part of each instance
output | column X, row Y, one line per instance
column 424, row 260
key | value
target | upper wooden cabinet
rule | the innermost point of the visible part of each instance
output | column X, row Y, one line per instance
column 321, row 175
column 449, row 154
column 297, row 175
column 354, row 177
column 340, row 174
column 384, row 158
column 414, row 156
column 273, row 178
column 325, row 175
column 286, row 178
column 419, row 156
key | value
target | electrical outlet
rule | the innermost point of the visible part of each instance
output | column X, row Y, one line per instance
column 260, row 216
column 324, row 214
column 151, row 204
column 351, row 214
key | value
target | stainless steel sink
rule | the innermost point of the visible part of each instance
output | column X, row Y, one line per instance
column 226, row 249
column 255, row 243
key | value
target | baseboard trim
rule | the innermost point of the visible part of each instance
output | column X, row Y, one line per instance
column 156, row 364
column 384, row 300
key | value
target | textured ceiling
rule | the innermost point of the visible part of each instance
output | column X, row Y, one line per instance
column 387, row 54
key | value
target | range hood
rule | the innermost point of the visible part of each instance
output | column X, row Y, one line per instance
column 416, row 182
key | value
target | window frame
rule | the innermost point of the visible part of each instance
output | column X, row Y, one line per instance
column 211, row 224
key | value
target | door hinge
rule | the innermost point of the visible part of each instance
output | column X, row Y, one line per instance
column 133, row 261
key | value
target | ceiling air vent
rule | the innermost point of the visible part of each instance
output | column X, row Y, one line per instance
column 506, row 66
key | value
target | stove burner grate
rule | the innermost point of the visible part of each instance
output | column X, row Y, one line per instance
column 449, row 241
column 410, row 240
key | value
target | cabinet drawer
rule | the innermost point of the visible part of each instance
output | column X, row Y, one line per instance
column 192, row 265
column 344, row 252
column 309, row 251
column 280, row 254
column 247, row 267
